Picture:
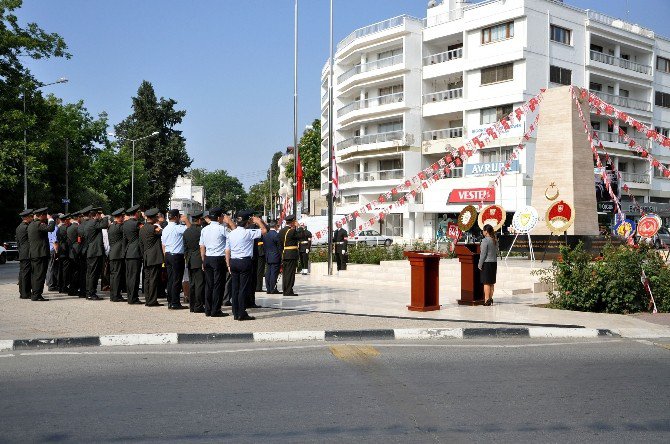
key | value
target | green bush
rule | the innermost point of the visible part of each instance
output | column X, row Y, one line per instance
column 610, row 284
column 367, row 254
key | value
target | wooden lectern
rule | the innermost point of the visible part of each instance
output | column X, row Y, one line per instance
column 472, row 290
column 425, row 280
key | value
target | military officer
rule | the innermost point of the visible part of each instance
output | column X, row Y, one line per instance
column 116, row 256
column 64, row 254
column 95, row 251
column 259, row 265
column 38, row 237
column 340, row 237
column 83, row 249
column 272, row 248
column 212, row 243
column 150, row 236
column 288, row 238
column 304, row 247
column 74, row 279
column 23, row 247
column 132, row 253
column 196, row 276
column 172, row 239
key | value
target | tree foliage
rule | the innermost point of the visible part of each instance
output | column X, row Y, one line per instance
column 221, row 189
column 164, row 156
column 258, row 197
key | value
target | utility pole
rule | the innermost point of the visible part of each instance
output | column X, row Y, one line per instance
column 330, row 149
column 296, row 152
column 67, row 176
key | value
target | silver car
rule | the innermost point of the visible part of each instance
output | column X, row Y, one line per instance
column 371, row 237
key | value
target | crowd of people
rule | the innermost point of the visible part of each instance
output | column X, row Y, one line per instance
column 214, row 258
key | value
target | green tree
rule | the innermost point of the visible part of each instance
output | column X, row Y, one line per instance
column 221, row 189
column 259, row 193
column 164, row 156
column 115, row 188
column 310, row 156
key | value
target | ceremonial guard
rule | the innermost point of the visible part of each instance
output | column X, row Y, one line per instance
column 259, row 266
column 196, row 275
column 83, row 248
column 213, row 253
column 272, row 248
column 289, row 237
column 239, row 257
column 116, row 256
column 132, row 253
column 304, row 248
column 38, row 238
column 95, row 251
column 150, row 236
column 64, row 254
column 74, row 276
column 340, row 238
column 23, row 247
column 173, row 248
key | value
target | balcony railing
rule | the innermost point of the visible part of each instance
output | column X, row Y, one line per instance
column 624, row 101
column 370, row 138
column 443, row 57
column 369, row 103
column 445, row 17
column 447, row 133
column 449, row 94
column 371, row 176
column 606, row 136
column 622, row 63
column 370, row 66
column 324, row 156
column 371, row 29
column 324, row 97
column 618, row 23
column 635, row 177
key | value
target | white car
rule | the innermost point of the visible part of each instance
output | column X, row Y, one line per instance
column 3, row 255
column 371, row 237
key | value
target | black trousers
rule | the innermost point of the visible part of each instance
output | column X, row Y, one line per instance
column 152, row 279
column 38, row 275
column 215, row 281
column 115, row 279
column 73, row 277
column 260, row 273
column 82, row 275
column 53, row 271
column 64, row 278
column 106, row 273
column 24, row 278
column 304, row 261
column 133, row 269
column 271, row 276
column 93, row 271
column 341, row 260
column 241, row 271
column 196, row 281
column 227, row 290
column 175, row 274
column 288, row 275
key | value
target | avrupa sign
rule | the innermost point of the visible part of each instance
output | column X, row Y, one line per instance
column 490, row 168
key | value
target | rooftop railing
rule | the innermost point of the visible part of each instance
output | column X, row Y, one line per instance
column 371, row 29
column 450, row 94
column 445, row 17
column 624, row 101
column 618, row 23
column 622, row 63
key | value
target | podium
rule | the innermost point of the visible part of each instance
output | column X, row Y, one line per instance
column 425, row 280
column 472, row 290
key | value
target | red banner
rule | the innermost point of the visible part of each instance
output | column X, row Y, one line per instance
column 472, row 195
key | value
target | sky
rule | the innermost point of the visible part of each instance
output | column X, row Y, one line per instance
column 228, row 63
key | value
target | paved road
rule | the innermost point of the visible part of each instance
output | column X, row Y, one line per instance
column 456, row 391
column 9, row 273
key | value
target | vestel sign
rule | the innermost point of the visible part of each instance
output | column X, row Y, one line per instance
column 471, row 195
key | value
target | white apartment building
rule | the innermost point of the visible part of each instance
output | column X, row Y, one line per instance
column 406, row 88
column 186, row 197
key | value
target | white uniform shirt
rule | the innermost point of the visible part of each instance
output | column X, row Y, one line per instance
column 214, row 238
column 241, row 242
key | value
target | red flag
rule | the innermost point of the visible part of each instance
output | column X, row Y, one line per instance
column 298, row 179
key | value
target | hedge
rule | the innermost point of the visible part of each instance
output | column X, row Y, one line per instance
column 366, row 254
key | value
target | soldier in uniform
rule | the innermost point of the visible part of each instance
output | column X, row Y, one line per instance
column 95, row 251
column 74, row 254
column 116, row 256
column 340, row 237
column 83, row 248
column 212, row 243
column 304, row 248
column 259, row 265
column 23, row 247
column 272, row 248
column 38, row 238
column 150, row 236
column 289, row 237
column 64, row 254
column 132, row 253
column 196, row 276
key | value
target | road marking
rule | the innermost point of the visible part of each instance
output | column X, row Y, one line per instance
column 139, row 339
column 555, row 332
column 7, row 356
column 6, row 344
column 290, row 336
column 357, row 354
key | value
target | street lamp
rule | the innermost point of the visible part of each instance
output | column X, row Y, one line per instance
column 25, row 140
column 132, row 171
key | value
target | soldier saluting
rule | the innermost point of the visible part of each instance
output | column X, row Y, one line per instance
column 24, row 253
column 340, row 238
column 289, row 237
column 38, row 237
column 150, row 236
column 132, row 253
column 116, row 259
column 95, row 251
column 304, row 247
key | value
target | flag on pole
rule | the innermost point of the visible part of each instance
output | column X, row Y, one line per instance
column 336, row 179
column 298, row 179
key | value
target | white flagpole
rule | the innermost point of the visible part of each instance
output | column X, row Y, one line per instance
column 330, row 148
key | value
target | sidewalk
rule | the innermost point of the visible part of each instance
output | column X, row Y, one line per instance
column 318, row 307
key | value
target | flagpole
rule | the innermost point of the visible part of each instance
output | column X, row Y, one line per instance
column 295, row 112
column 330, row 148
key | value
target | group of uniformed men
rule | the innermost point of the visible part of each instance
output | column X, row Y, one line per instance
column 225, row 260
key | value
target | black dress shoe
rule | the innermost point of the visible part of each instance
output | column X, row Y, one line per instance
column 94, row 298
column 82, row 296
column 24, row 297
column 135, row 302
column 198, row 310
column 228, row 304
column 219, row 315
column 52, row 289
column 40, row 299
column 155, row 304
column 246, row 318
column 254, row 306
column 275, row 292
column 122, row 300
column 291, row 294
column 176, row 307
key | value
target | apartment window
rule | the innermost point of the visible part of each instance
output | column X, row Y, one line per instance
column 560, row 35
column 389, row 126
column 663, row 131
column 595, row 126
column 494, row 114
column 624, row 92
column 390, row 164
column 390, row 53
column 662, row 99
column 495, row 155
column 392, row 225
column 593, row 86
column 663, row 64
column 659, row 172
column 499, row 73
column 350, row 199
column 560, row 75
column 596, row 48
column 499, row 32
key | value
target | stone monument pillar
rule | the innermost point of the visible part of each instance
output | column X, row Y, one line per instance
column 563, row 157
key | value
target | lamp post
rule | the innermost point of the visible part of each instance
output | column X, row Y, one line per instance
column 132, row 169
column 296, row 150
column 25, row 140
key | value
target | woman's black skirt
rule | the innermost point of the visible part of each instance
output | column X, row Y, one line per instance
column 488, row 273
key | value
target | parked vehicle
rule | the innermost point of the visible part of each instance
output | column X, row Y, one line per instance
column 12, row 249
column 3, row 255
column 371, row 237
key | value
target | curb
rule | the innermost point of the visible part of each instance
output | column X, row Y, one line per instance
column 298, row 336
